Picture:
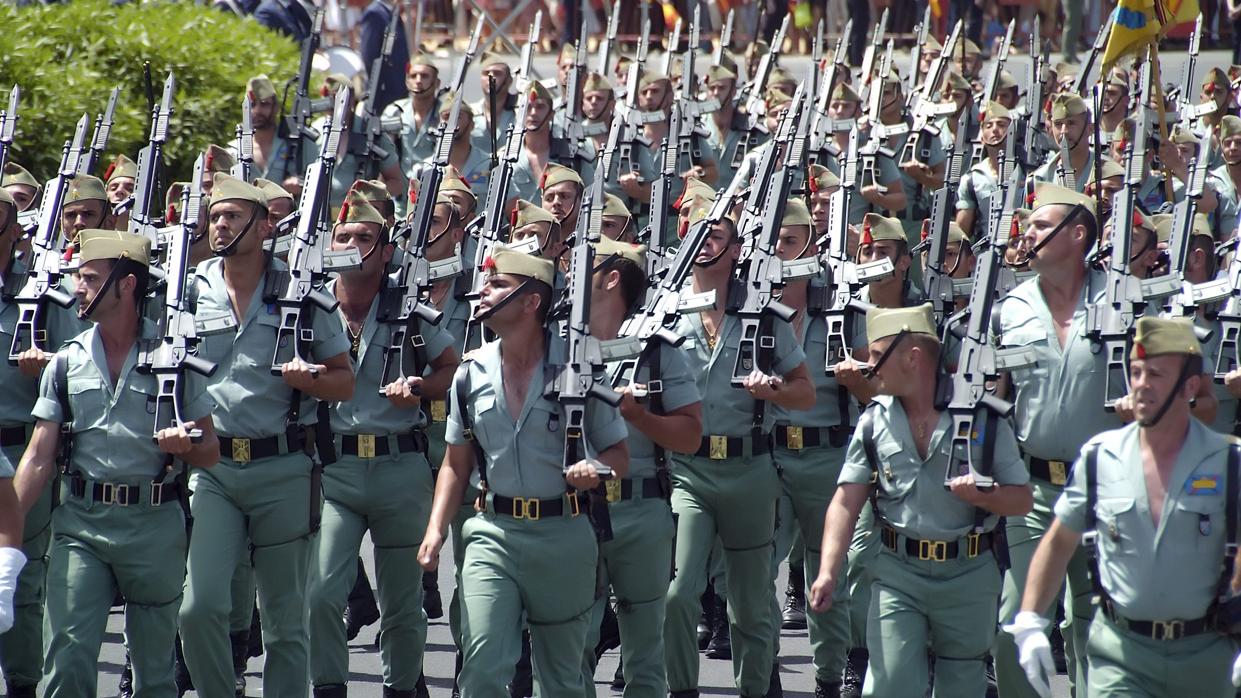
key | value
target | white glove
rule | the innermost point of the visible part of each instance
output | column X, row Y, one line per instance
column 1034, row 650
column 11, row 562
column 1236, row 671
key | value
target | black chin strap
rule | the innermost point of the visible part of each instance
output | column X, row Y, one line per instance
column 714, row 260
column 1167, row 403
column 230, row 248
column 85, row 313
column 870, row 371
column 521, row 290
column 1030, row 254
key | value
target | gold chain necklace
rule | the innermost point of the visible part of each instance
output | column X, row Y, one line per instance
column 355, row 339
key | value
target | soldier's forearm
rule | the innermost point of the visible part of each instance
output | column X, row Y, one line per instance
column 11, row 518
column 450, row 484
column 32, row 477
column 680, row 431
column 616, row 457
column 1048, row 567
column 1008, row 500
column 333, row 385
column 839, row 523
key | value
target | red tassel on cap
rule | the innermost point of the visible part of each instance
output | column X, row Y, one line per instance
column 413, row 191
column 489, row 263
column 926, row 229
column 683, row 230
column 512, row 218
column 1137, row 219
column 208, row 160
column 543, row 180
column 107, row 174
column 323, row 90
column 172, row 214
column 1030, row 199
column 813, row 183
column 1140, row 351
column 867, row 238
column 408, row 67
column 344, row 213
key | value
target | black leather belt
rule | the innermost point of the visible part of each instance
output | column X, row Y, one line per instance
column 243, row 450
column 722, row 447
column 649, row 488
column 13, row 436
column 1160, row 629
column 533, row 508
column 1054, row 471
column 125, row 495
column 936, row 550
column 373, row 446
column 797, row 438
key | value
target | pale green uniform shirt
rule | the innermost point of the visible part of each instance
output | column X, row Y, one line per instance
column 724, row 146
column 1047, row 172
column 1059, row 401
column 417, row 142
column 826, row 411
column 886, row 171
column 729, row 411
column 369, row 412
column 911, row 496
column 112, row 429
column 282, row 160
column 1152, row 571
column 250, row 401
column 525, row 457
column 679, row 390
column 1224, row 218
column 976, row 190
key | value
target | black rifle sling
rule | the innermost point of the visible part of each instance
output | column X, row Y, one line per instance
column 763, row 360
column 60, row 380
column 461, row 388
column 1090, row 535
column 1230, row 521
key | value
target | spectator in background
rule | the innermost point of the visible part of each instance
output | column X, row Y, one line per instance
column 373, row 24
column 292, row 18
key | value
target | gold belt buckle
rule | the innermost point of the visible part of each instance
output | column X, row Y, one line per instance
column 241, row 450
column 366, row 445
column 719, row 447
column 972, row 544
column 1059, row 472
column 439, row 410
column 613, row 488
column 1168, row 630
column 794, row 437
column 936, row 550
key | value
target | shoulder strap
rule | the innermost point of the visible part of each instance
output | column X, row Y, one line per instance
column 1230, row 520
column 60, row 382
column 1090, row 536
column 461, row 388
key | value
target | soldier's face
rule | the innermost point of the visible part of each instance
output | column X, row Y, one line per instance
column 119, row 189
column 362, row 237
column 1153, row 379
column 231, row 218
column 497, row 287
column 1042, row 222
column 879, row 249
column 994, row 131
column 959, row 98
column 721, row 90
column 774, row 114
column 446, row 231
column 962, row 266
column 791, row 242
column 90, row 279
column 925, row 59
column 1070, row 128
column 464, row 202
column 563, row 66
column 80, row 215
column 561, row 199
column 653, row 96
column 465, row 123
column 842, row 109
column 820, row 207
column 422, row 79
column 1007, row 97
column 263, row 113
column 595, row 104
column 968, row 65
column 278, row 210
column 498, row 72
column 1232, row 149
column 537, row 114
column 1114, row 95
column 720, row 239
column 23, row 194
column 616, row 228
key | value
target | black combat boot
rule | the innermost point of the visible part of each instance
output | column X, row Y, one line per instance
column 721, row 646
column 793, row 617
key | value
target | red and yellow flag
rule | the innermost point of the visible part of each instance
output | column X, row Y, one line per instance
column 1137, row 23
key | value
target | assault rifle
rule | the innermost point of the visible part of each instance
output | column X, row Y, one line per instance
column 8, row 125
column 297, row 121
column 609, row 41
column 367, row 150
column 938, row 281
column 821, row 130
column 176, row 349
column 692, row 137
column 673, row 43
column 1035, row 143
column 875, row 45
column 876, row 145
column 657, row 237
column 44, row 272
column 749, row 100
column 990, row 87
column 1185, row 298
column 1083, row 76
column 243, row 168
column 726, row 39
column 574, row 135
column 922, row 32
column 144, row 218
column 925, row 108
column 98, row 141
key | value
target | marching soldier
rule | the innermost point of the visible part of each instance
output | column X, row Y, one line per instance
column 1058, row 402
column 547, row 237
column 498, row 105
column 119, row 180
column 351, row 167
column 1146, row 498
column 381, row 480
column 120, row 526
column 727, row 486
column 936, row 576
column 275, row 157
column 810, row 445
column 1115, row 104
column 279, row 201
column 655, row 94
column 85, row 206
column 21, row 648
column 722, row 128
column 540, row 147
column 1225, row 179
column 617, row 222
column 637, row 562
column 216, row 160
column 21, row 185
column 469, row 159
column 265, row 490
column 598, row 107
column 419, row 114
column 560, row 194
column 529, row 552
column 979, row 185
column 1070, row 128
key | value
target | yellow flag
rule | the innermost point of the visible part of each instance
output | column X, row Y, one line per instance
column 1134, row 26
column 1181, row 11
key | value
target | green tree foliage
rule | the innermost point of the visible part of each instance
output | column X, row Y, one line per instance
column 67, row 57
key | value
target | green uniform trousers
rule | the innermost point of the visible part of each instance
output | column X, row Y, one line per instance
column 242, row 592
column 637, row 563
column 464, row 514
column 391, row 497
column 1124, row 665
column 96, row 550
column 1024, row 534
column 809, row 480
column 860, row 575
column 543, row 572
column 946, row 607
column 267, row 503
column 1072, row 29
column 736, row 500
column 21, row 648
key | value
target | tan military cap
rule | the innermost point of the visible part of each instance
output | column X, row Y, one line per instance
column 121, row 167
column 876, row 227
column 796, row 213
column 260, row 87
column 607, row 247
column 226, row 187
column 358, row 209
column 889, row 322
column 85, row 188
column 1046, row 194
column 504, row 260
column 613, row 206
column 1158, row 336
column 555, row 174
column 94, row 243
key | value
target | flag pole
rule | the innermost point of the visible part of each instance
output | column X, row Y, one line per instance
column 1160, row 110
